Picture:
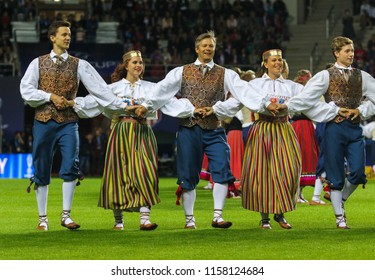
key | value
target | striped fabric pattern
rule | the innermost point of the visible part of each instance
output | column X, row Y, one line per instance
column 130, row 178
column 271, row 168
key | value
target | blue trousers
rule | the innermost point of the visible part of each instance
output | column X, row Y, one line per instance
column 47, row 137
column 319, row 135
column 344, row 141
column 192, row 143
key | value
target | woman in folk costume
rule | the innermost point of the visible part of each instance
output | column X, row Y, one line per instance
column 130, row 180
column 305, row 132
column 272, row 161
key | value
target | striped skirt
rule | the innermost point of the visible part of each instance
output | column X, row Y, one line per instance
column 271, row 168
column 305, row 132
column 130, row 178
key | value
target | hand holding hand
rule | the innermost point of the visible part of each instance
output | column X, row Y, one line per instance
column 140, row 111
column 343, row 112
column 199, row 112
column 58, row 101
column 349, row 113
column 203, row 112
column 131, row 108
column 208, row 111
column 275, row 108
column 69, row 103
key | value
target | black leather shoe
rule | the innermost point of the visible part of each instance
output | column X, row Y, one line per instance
column 148, row 227
column 265, row 224
column 281, row 220
column 222, row 224
column 71, row 225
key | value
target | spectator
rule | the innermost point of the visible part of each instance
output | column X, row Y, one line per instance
column 44, row 23
column 29, row 144
column 365, row 20
column 80, row 34
column 347, row 22
column 91, row 27
column 279, row 7
column 19, row 143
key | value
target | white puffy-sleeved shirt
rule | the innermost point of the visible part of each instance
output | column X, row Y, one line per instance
column 124, row 90
column 277, row 91
column 317, row 86
column 99, row 91
column 167, row 88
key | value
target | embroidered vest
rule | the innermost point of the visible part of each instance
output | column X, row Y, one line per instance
column 346, row 94
column 202, row 91
column 61, row 80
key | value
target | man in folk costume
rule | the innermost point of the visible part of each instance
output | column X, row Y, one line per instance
column 205, row 84
column 50, row 82
column 345, row 87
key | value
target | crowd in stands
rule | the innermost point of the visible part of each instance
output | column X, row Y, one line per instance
column 364, row 53
column 244, row 29
column 163, row 30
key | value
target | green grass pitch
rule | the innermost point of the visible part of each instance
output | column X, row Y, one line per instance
column 313, row 237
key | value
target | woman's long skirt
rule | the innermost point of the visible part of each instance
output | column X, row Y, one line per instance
column 271, row 168
column 130, row 178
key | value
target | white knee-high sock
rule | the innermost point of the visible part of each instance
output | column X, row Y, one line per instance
column 336, row 198
column 68, row 189
column 144, row 213
column 41, row 199
column 348, row 189
column 188, row 201
column 318, row 187
column 219, row 194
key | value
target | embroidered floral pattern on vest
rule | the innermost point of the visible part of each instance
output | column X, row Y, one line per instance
column 346, row 94
column 60, row 80
column 202, row 91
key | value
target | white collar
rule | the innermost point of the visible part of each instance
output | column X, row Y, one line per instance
column 342, row 67
column 64, row 55
column 138, row 82
column 209, row 64
column 280, row 79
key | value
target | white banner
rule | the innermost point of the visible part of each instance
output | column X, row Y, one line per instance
column 190, row 270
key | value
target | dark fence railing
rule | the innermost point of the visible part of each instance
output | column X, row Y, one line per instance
column 314, row 58
column 330, row 21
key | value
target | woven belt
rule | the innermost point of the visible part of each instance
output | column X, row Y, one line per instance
column 273, row 119
column 132, row 119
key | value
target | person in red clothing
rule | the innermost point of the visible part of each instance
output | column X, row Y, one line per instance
column 305, row 132
column 205, row 173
